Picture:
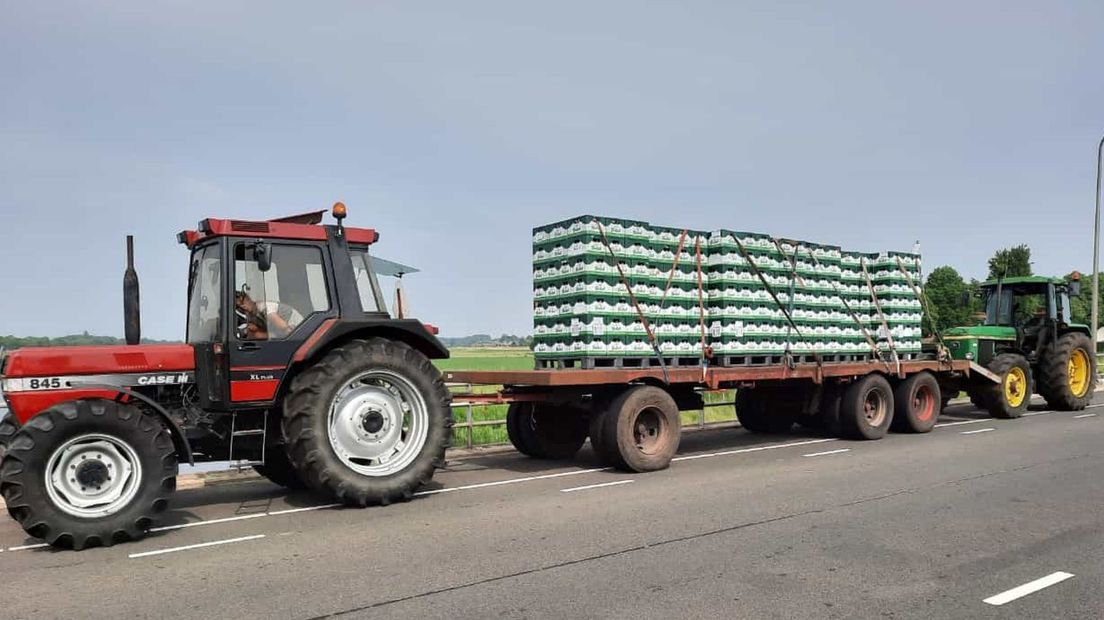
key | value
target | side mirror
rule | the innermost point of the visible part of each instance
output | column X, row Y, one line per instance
column 263, row 252
column 1075, row 288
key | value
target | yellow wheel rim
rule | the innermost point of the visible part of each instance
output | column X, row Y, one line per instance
column 1015, row 387
column 1079, row 369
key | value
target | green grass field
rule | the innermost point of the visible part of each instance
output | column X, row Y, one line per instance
column 480, row 358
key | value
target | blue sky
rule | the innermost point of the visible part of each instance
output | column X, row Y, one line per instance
column 455, row 127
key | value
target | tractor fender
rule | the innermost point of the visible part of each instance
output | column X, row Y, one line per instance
column 335, row 332
column 180, row 442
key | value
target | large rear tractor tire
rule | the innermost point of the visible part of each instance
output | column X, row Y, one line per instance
column 755, row 412
column 8, row 429
column 866, row 408
column 917, row 403
column 1009, row 398
column 278, row 469
column 88, row 473
column 368, row 423
column 642, row 429
column 1067, row 373
column 546, row 431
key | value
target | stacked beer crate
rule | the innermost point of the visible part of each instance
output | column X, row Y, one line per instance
column 750, row 282
column 582, row 311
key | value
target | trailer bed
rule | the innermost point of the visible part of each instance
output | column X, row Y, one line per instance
column 711, row 377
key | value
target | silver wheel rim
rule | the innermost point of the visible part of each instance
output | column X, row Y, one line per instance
column 93, row 476
column 378, row 423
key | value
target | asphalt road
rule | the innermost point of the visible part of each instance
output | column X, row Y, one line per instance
column 741, row 526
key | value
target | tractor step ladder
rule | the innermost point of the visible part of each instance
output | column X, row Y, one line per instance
column 247, row 432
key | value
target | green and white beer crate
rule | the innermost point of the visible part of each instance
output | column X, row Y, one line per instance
column 584, row 315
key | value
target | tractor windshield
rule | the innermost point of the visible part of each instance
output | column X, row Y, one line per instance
column 205, row 296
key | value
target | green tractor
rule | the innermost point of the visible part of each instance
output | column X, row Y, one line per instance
column 1029, row 342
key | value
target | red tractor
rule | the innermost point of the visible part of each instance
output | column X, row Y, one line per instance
column 292, row 364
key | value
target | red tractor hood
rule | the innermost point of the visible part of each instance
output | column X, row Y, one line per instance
column 98, row 360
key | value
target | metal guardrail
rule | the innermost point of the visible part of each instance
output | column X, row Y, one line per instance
column 470, row 424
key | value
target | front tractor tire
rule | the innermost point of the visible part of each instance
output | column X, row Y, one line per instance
column 1009, row 398
column 89, row 473
column 1067, row 372
column 368, row 423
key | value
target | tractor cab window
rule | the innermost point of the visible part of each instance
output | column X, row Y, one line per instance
column 270, row 305
column 1018, row 308
column 205, row 296
column 371, row 298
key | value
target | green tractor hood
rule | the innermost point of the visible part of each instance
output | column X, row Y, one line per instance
column 989, row 332
column 964, row 343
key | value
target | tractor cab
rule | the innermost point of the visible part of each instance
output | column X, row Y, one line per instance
column 262, row 296
column 1021, row 314
column 1030, row 341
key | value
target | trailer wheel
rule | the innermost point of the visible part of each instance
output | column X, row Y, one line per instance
column 917, row 403
column 829, row 413
column 87, row 473
column 278, row 469
column 643, row 428
column 753, row 413
column 369, row 422
column 546, row 431
column 514, row 414
column 866, row 409
column 596, row 432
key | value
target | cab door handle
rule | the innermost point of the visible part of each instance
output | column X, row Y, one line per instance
column 248, row 346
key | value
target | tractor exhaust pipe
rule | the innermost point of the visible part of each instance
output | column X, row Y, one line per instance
column 132, row 316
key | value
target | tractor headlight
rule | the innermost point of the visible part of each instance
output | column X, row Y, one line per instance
column 969, row 355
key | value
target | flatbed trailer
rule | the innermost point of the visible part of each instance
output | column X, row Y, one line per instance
column 631, row 415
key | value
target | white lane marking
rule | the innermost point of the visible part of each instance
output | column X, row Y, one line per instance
column 272, row 513
column 692, row 457
column 961, row 423
column 1084, row 415
column 496, row 483
column 197, row 546
column 180, row 526
column 25, row 547
column 980, row 430
column 295, row 510
column 1027, row 588
column 596, row 486
column 828, row 452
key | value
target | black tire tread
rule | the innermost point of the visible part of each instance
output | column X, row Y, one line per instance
column 309, row 450
column 853, row 424
column 992, row 394
column 29, row 506
column 904, row 419
column 1053, row 375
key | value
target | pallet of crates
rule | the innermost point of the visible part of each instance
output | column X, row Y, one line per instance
column 673, row 306
column 899, row 300
column 579, row 283
column 752, row 326
column 818, row 310
column 855, row 292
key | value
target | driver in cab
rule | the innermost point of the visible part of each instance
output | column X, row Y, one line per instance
column 265, row 319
